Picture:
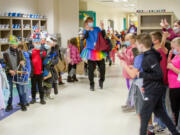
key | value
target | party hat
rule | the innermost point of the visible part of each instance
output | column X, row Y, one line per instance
column 13, row 40
column 36, row 36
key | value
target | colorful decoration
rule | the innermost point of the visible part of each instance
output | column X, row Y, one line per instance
column 36, row 36
column 84, row 14
column 93, row 55
column 132, row 29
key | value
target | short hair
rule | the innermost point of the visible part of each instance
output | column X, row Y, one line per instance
column 145, row 39
column 132, row 36
column 177, row 21
column 73, row 41
column 89, row 19
column 157, row 35
column 176, row 41
column 123, row 45
column 23, row 46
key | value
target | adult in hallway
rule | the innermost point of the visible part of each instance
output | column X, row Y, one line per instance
column 93, row 56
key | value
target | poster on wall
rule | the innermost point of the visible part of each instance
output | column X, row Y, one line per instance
column 84, row 14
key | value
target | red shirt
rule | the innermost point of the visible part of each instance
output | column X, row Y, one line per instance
column 37, row 61
column 163, row 65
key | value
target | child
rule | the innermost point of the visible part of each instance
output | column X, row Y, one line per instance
column 114, row 49
column 24, row 49
column 137, row 82
column 174, row 79
column 153, row 86
column 160, row 47
column 50, row 75
column 74, row 60
column 173, row 33
column 128, row 57
column 13, row 58
column 37, row 67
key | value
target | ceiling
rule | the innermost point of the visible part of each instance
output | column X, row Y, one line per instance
column 123, row 5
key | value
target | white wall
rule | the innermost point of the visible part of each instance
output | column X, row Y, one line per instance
column 24, row 6
column 68, row 19
column 169, row 5
column 104, row 12
column 46, row 7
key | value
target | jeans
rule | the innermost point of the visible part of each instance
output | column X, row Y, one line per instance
column 20, row 89
column 26, row 87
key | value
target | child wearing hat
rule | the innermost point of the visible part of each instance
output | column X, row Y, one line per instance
column 13, row 58
column 37, row 68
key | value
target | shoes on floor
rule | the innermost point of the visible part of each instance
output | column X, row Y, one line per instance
column 100, row 84
column 23, row 108
column 61, row 83
column 124, row 106
column 43, row 102
column 129, row 109
column 75, row 78
column 33, row 101
column 9, row 108
column 70, row 79
column 150, row 130
column 92, row 88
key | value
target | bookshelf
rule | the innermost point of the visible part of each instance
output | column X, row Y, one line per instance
column 22, row 28
column 148, row 22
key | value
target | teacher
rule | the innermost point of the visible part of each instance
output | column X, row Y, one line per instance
column 93, row 56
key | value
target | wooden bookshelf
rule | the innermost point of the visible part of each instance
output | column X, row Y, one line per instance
column 20, row 27
column 148, row 22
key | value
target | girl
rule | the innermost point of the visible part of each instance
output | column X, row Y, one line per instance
column 75, row 58
column 114, row 49
column 174, row 78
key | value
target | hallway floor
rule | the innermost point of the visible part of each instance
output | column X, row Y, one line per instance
column 78, row 111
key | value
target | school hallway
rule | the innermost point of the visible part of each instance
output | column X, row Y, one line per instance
column 78, row 111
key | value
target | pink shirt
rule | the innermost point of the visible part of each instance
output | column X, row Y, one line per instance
column 128, row 57
column 172, row 76
column 74, row 55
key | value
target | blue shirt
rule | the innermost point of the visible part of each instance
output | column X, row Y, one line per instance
column 138, row 62
column 93, row 37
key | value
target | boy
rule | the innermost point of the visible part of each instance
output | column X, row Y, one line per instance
column 153, row 86
column 37, row 67
column 160, row 47
column 13, row 58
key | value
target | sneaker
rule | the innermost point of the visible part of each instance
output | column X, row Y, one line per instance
column 100, row 84
column 75, row 79
column 92, row 88
column 124, row 106
column 27, row 104
column 150, row 133
column 151, row 130
column 160, row 130
column 33, row 101
column 61, row 83
column 110, row 63
column 129, row 109
column 23, row 108
column 9, row 108
column 69, row 79
column 43, row 102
